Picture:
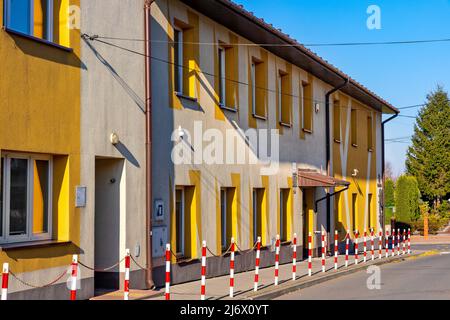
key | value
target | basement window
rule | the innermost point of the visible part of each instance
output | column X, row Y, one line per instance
column 26, row 198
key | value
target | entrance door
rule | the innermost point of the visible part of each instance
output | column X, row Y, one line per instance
column 308, row 218
column 108, row 176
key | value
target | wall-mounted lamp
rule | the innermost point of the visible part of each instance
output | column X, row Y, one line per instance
column 317, row 107
column 355, row 172
column 114, row 138
column 180, row 132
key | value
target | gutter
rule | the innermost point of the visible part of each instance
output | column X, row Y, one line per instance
column 383, row 163
column 149, row 284
column 328, row 145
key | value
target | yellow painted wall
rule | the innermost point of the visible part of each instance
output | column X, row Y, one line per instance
column 40, row 113
column 358, row 157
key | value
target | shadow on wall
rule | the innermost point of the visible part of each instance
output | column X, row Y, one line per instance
column 126, row 153
column 46, row 52
column 133, row 95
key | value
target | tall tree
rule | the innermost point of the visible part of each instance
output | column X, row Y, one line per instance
column 389, row 200
column 428, row 158
column 407, row 197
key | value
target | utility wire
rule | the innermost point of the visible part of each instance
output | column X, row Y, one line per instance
column 289, row 45
column 98, row 39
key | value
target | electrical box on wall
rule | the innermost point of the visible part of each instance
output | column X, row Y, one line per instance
column 159, row 238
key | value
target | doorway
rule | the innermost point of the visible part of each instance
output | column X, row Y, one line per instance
column 108, row 182
column 308, row 218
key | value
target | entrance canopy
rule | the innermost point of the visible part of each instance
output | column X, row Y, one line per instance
column 311, row 178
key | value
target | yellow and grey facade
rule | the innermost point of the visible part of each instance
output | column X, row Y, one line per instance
column 73, row 137
column 209, row 68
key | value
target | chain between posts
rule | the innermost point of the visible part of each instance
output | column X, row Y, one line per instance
column 27, row 284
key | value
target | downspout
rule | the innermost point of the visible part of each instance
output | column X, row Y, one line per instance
column 328, row 144
column 383, row 161
column 148, row 144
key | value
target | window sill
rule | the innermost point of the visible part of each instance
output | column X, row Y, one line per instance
column 39, row 40
column 307, row 130
column 259, row 117
column 222, row 106
column 182, row 96
column 287, row 125
column 32, row 244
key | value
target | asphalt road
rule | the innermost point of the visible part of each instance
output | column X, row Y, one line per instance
column 426, row 277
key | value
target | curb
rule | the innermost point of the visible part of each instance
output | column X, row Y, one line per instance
column 272, row 293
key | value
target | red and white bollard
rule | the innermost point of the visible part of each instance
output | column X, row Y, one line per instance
column 126, row 285
column 203, row 278
column 294, row 257
column 258, row 252
column 5, row 278
column 73, row 280
column 356, row 247
column 398, row 242
column 372, row 246
column 168, row 256
column 380, row 245
column 365, row 245
column 232, row 268
column 393, row 243
column 386, row 243
column 347, row 243
column 336, row 249
column 323, row 251
column 409, row 241
column 310, row 254
column 277, row 258
column 404, row 241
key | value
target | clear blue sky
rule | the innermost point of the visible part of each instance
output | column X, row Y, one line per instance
column 402, row 74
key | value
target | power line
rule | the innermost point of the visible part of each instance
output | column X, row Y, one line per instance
column 287, row 44
column 97, row 38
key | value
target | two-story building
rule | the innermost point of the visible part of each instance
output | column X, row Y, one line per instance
column 220, row 74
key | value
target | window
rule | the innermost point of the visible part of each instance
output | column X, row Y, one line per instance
column 307, row 107
column 227, row 59
column 26, row 198
column 354, row 211
column 369, row 210
column 258, row 94
column 369, row 133
column 227, row 216
column 178, row 60
column 337, row 121
column 354, row 128
column 179, row 221
column 258, row 204
column 284, row 214
column 284, row 98
column 222, row 77
column 43, row 19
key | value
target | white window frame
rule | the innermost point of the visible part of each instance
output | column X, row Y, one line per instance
column 280, row 99
column 223, row 217
column 302, row 89
column 253, row 79
column 222, row 75
column 179, row 65
column 29, row 236
column 182, row 249
column 48, row 18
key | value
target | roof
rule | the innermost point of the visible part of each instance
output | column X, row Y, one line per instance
column 256, row 30
column 312, row 178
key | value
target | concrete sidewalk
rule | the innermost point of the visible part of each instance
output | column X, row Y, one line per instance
column 218, row 288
